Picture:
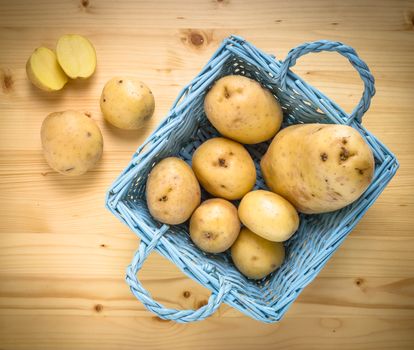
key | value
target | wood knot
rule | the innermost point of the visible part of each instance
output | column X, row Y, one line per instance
column 103, row 245
column 195, row 39
column 359, row 281
column 98, row 307
column 85, row 3
column 6, row 81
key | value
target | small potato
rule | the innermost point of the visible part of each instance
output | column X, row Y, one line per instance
column 72, row 142
column 172, row 191
column 256, row 257
column 44, row 71
column 127, row 102
column 224, row 168
column 268, row 215
column 242, row 110
column 76, row 56
column 214, row 225
column 318, row 167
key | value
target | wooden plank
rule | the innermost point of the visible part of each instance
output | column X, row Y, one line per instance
column 63, row 255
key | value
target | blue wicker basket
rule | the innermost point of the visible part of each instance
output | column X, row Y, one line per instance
column 186, row 127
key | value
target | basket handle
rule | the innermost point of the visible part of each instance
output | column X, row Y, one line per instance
column 344, row 50
column 181, row 316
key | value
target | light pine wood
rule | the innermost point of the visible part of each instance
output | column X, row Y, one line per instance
column 63, row 255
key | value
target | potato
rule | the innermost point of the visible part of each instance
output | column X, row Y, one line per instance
column 72, row 142
column 127, row 102
column 44, row 71
column 76, row 55
column 268, row 215
column 242, row 110
column 256, row 257
column 318, row 167
column 214, row 225
column 172, row 191
column 224, row 168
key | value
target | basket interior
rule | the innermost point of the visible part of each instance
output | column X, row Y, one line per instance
column 309, row 248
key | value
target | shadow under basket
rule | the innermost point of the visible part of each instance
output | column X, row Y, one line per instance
column 186, row 127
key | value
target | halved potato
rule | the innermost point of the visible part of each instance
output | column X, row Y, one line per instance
column 44, row 71
column 76, row 56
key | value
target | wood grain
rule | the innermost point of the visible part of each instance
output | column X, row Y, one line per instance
column 63, row 256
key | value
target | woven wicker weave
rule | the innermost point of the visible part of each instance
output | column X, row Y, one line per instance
column 185, row 127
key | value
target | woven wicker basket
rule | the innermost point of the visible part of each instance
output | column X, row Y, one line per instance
column 186, row 127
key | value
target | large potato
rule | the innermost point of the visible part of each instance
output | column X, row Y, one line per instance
column 256, row 257
column 242, row 110
column 318, row 167
column 72, row 142
column 224, row 168
column 214, row 225
column 172, row 191
column 127, row 102
column 268, row 215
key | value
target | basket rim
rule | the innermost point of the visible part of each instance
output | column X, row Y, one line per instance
column 116, row 191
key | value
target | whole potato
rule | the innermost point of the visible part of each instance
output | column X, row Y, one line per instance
column 214, row 225
column 256, row 257
column 127, row 102
column 268, row 215
column 242, row 110
column 318, row 167
column 172, row 191
column 72, row 142
column 224, row 168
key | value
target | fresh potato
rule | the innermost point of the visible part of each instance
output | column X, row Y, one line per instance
column 127, row 102
column 268, row 215
column 76, row 56
column 44, row 71
column 72, row 142
column 256, row 257
column 224, row 168
column 242, row 110
column 172, row 191
column 214, row 225
column 318, row 167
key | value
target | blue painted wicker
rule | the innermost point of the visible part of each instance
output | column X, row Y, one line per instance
column 185, row 127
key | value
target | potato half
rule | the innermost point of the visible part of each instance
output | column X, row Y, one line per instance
column 44, row 71
column 76, row 55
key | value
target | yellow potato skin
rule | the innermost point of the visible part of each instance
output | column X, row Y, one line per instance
column 224, row 168
column 242, row 110
column 214, row 225
column 268, row 215
column 318, row 167
column 256, row 257
column 172, row 191
column 126, row 102
column 72, row 142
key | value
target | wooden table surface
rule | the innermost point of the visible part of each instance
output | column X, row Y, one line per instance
column 63, row 255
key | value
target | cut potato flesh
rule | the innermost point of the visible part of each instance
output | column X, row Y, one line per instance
column 44, row 71
column 76, row 56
